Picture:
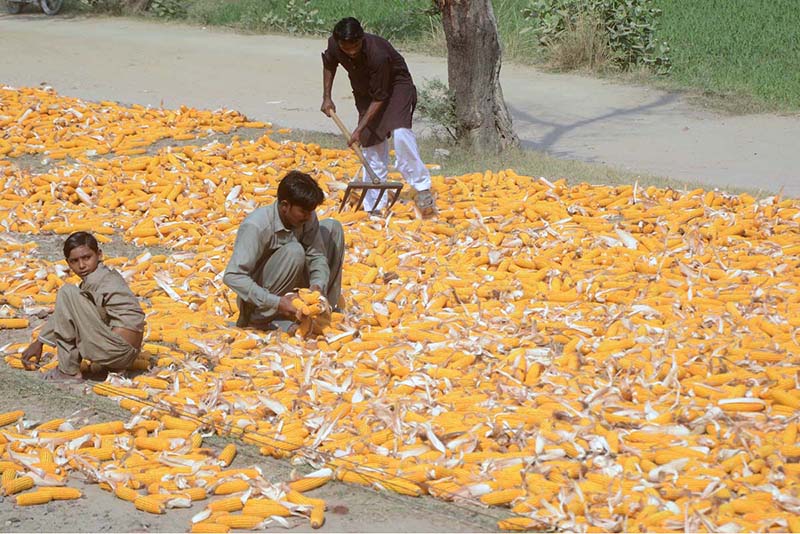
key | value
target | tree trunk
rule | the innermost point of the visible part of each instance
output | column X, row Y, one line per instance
column 473, row 73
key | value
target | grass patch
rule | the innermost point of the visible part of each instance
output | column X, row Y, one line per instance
column 584, row 45
column 746, row 49
column 524, row 162
column 401, row 22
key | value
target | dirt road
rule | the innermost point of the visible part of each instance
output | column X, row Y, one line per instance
column 277, row 78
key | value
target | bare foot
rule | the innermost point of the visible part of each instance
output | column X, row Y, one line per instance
column 57, row 376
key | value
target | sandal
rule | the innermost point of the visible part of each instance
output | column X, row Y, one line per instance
column 425, row 202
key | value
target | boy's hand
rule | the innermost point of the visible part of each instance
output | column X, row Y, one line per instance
column 30, row 358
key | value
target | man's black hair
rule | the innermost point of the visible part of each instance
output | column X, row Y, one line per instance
column 300, row 189
column 348, row 29
column 79, row 239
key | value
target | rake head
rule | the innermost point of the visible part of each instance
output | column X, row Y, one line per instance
column 358, row 191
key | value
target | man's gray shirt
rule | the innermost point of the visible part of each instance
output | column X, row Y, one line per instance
column 258, row 237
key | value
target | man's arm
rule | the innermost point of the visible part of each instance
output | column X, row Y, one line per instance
column 247, row 251
column 327, row 87
column 329, row 66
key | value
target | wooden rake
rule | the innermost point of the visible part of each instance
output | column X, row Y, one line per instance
column 360, row 188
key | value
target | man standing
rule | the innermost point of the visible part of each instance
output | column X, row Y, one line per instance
column 385, row 97
column 282, row 247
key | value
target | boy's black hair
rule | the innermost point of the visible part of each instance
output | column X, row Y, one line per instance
column 348, row 29
column 299, row 189
column 78, row 239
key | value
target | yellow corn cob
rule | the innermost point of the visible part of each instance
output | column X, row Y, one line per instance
column 119, row 391
column 112, row 427
column 317, row 517
column 227, row 455
column 196, row 493
column 231, row 504
column 239, row 521
column 46, row 456
column 13, row 323
column 308, row 483
column 9, row 474
column 179, row 423
column 309, row 297
column 153, row 444
column 17, row 485
column 149, row 504
column 6, row 465
column 51, row 425
column 61, row 493
column 741, row 404
column 206, row 527
column 401, row 486
column 10, row 417
column 793, row 522
column 231, row 486
column 498, row 498
column 149, row 381
column 517, row 524
column 104, row 453
column 34, row 497
column 125, row 493
column 785, row 398
column 349, row 476
column 265, row 508
column 295, row 497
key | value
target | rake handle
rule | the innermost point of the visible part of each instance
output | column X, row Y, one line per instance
column 356, row 147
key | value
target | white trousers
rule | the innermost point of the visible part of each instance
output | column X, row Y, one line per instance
column 407, row 161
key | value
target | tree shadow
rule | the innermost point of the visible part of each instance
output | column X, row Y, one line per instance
column 557, row 131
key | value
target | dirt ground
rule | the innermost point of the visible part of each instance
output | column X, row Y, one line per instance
column 278, row 79
column 351, row 508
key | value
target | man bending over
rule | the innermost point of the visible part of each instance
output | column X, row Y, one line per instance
column 280, row 248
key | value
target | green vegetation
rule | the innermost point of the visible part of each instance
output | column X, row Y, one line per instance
column 407, row 20
column 735, row 48
column 624, row 28
column 742, row 54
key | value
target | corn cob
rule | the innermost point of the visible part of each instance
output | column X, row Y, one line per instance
column 17, row 485
column 207, row 527
column 231, row 486
column 231, row 504
column 149, row 504
column 10, row 417
column 227, row 455
column 34, row 497
column 265, row 508
column 239, row 521
column 317, row 517
column 308, row 483
column 63, row 493
column 501, row 497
